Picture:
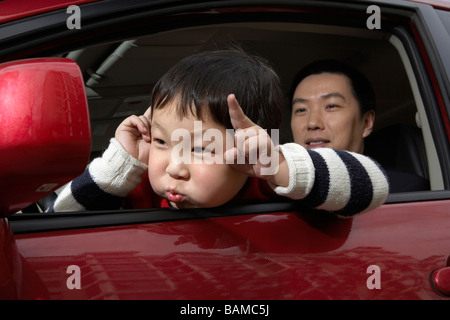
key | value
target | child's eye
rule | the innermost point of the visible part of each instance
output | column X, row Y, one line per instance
column 198, row 149
column 159, row 141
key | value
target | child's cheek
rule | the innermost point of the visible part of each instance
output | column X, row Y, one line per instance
column 155, row 176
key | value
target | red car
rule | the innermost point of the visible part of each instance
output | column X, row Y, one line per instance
column 71, row 71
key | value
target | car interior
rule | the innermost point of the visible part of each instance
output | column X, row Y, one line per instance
column 119, row 78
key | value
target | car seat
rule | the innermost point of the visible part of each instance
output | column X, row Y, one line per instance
column 399, row 147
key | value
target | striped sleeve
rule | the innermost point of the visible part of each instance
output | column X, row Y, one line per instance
column 104, row 183
column 344, row 182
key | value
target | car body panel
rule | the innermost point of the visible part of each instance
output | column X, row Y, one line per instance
column 286, row 255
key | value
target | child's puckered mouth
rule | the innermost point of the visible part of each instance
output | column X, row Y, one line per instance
column 174, row 196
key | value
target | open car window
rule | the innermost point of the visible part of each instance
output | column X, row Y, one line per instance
column 120, row 81
column 120, row 72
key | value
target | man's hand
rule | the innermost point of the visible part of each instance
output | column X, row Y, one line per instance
column 134, row 136
column 254, row 153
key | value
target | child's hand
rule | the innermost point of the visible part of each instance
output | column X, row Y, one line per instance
column 254, row 145
column 134, row 136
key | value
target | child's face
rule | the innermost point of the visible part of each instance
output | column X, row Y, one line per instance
column 193, row 182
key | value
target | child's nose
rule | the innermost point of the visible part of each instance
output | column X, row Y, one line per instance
column 177, row 169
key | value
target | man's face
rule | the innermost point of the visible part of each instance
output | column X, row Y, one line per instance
column 325, row 113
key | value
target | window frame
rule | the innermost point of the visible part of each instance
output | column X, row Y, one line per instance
column 96, row 23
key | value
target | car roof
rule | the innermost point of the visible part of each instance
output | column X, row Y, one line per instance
column 438, row 4
column 17, row 9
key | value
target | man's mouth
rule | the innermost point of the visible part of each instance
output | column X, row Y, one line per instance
column 317, row 143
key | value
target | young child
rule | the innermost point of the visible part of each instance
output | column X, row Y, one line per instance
column 223, row 148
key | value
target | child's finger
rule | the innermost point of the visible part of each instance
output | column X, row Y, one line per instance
column 144, row 127
column 230, row 156
column 238, row 118
column 138, row 126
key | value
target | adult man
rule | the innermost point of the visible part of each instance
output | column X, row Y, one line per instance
column 333, row 106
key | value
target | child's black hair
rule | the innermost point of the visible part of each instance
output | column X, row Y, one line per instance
column 201, row 83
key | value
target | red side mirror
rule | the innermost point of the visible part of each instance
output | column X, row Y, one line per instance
column 45, row 137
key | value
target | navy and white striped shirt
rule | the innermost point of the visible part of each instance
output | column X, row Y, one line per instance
column 341, row 182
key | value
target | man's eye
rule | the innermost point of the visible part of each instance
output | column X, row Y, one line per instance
column 332, row 106
column 300, row 110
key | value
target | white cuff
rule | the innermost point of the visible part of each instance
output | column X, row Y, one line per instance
column 301, row 172
column 117, row 172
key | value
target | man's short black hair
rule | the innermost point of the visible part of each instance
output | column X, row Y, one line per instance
column 360, row 85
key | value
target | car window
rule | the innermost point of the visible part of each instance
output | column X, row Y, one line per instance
column 120, row 80
column 119, row 76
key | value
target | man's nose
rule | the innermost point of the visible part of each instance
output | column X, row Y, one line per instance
column 315, row 121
